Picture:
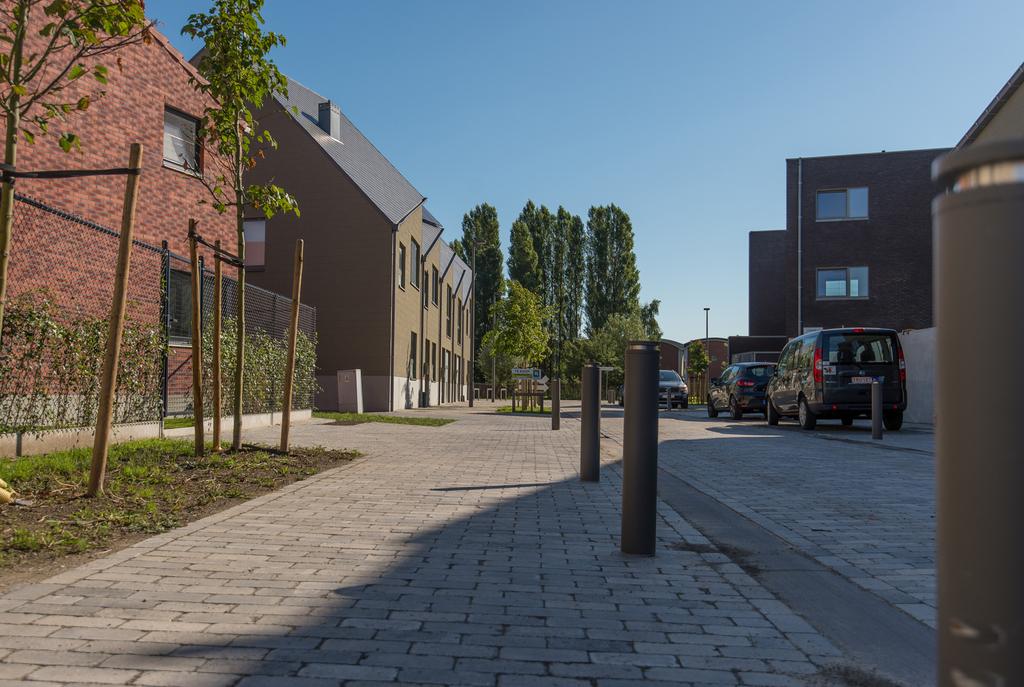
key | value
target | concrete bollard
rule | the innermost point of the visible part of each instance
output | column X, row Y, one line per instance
column 640, row 449
column 876, row 410
column 979, row 249
column 590, row 437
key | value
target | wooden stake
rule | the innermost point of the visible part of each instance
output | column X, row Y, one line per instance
column 197, row 342
column 108, row 380
column 217, row 287
column 293, row 333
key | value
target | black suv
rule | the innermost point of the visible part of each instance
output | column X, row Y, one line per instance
column 740, row 389
column 828, row 374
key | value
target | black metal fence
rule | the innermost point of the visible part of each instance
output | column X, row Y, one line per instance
column 60, row 283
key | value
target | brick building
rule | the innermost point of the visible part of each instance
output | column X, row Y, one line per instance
column 148, row 100
column 857, row 248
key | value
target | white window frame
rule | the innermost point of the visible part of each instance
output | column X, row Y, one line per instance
column 170, row 115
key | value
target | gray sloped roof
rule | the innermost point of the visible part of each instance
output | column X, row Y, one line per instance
column 429, row 217
column 355, row 156
column 429, row 234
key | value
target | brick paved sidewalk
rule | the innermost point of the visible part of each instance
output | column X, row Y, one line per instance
column 466, row 554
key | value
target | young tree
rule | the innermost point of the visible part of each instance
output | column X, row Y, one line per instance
column 53, row 67
column 480, row 228
column 238, row 75
column 649, row 318
column 607, row 346
column 519, row 332
column 522, row 258
column 697, row 359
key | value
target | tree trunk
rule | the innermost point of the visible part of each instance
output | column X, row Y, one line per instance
column 7, row 210
column 236, row 436
column 11, row 157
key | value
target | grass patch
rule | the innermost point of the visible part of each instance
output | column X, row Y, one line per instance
column 152, row 486
column 359, row 418
column 178, row 422
column 535, row 410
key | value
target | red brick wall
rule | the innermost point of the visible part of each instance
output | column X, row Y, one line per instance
column 150, row 77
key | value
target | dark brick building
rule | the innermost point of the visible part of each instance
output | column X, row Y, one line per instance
column 859, row 234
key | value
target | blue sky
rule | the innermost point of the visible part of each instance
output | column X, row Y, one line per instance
column 682, row 113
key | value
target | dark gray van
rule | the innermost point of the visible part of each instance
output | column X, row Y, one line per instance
column 828, row 374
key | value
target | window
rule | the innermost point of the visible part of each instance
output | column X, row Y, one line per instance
column 414, row 264
column 181, row 151
column 255, row 243
column 843, row 203
column 433, row 361
column 859, row 348
column 412, row 356
column 426, row 287
column 459, row 329
column 448, row 314
column 843, row 282
column 433, row 285
column 401, row 265
column 179, row 305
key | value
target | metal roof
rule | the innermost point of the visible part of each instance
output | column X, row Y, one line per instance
column 355, row 156
column 429, row 217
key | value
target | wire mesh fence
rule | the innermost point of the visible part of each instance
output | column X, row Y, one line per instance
column 61, row 277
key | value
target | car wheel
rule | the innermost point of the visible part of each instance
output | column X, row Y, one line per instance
column 808, row 420
column 846, row 420
column 770, row 414
column 893, row 420
column 712, row 410
column 734, row 408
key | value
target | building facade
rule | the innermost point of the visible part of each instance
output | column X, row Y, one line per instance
column 857, row 249
column 393, row 300
column 1003, row 119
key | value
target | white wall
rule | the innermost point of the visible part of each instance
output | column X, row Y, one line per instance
column 919, row 350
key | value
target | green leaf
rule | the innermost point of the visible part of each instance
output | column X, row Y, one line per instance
column 68, row 141
column 76, row 72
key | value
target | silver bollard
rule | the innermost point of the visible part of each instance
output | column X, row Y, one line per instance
column 640, row 449
column 979, row 249
column 876, row 410
column 590, row 438
column 556, row 404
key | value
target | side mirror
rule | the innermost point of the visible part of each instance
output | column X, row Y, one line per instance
column 715, row 381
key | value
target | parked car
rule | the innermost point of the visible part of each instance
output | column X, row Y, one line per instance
column 672, row 390
column 740, row 389
column 828, row 374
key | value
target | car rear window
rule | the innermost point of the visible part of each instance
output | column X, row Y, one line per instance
column 760, row 371
column 852, row 348
column 670, row 376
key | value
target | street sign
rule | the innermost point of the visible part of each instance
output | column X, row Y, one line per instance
column 523, row 373
column 542, row 383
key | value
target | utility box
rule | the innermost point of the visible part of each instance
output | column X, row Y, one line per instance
column 350, row 391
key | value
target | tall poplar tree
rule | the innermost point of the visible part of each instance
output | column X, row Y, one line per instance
column 575, row 278
column 480, row 227
column 522, row 258
column 613, row 280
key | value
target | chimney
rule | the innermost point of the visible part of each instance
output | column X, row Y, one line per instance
column 329, row 119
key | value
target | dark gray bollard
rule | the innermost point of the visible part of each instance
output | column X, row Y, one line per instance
column 979, row 250
column 640, row 449
column 590, row 439
column 556, row 404
column 876, row 410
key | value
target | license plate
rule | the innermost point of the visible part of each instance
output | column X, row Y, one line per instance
column 866, row 380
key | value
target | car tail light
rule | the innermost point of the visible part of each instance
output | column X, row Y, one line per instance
column 745, row 383
column 817, row 366
column 858, row 330
column 903, row 365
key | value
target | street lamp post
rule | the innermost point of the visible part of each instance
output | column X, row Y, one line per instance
column 707, row 352
column 472, row 331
